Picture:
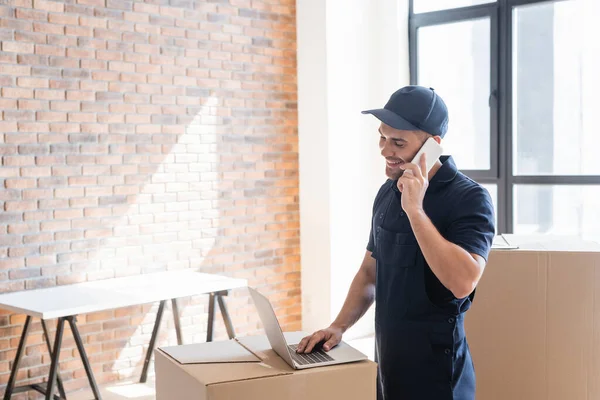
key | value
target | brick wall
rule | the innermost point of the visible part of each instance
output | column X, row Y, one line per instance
column 138, row 137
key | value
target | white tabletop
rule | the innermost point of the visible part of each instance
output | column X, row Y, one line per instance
column 107, row 294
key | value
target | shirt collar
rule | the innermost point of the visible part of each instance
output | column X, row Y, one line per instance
column 446, row 173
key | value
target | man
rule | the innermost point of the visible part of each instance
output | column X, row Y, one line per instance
column 430, row 238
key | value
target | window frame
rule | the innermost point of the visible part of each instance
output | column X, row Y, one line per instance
column 501, row 171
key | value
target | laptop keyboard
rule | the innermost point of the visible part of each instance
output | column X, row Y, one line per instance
column 315, row 357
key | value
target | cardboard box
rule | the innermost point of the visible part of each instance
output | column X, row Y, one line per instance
column 234, row 376
column 534, row 328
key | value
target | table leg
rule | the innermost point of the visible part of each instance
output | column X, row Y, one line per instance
column 15, row 368
column 175, row 310
column 161, row 309
column 211, row 317
column 55, row 357
column 86, row 363
column 225, row 315
column 61, row 388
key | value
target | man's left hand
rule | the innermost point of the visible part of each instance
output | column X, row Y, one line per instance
column 413, row 184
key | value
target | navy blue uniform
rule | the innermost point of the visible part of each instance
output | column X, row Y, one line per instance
column 421, row 347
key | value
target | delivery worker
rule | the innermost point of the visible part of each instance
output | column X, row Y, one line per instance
column 431, row 234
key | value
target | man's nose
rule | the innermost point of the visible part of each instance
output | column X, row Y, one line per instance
column 387, row 150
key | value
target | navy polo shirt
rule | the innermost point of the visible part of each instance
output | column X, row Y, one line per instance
column 458, row 207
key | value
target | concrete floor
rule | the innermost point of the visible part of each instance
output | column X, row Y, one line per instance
column 121, row 391
column 145, row 391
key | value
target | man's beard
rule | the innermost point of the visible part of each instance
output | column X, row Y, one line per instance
column 393, row 174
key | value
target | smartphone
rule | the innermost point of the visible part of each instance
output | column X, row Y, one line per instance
column 433, row 151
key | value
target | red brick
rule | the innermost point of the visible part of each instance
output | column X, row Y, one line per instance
column 51, row 116
column 68, row 235
column 40, row 283
column 93, row 22
column 68, row 214
column 76, row 96
column 20, row 183
column 107, row 34
column 49, row 160
column 49, row 94
column 82, row 117
column 50, row 50
column 53, row 6
column 64, row 84
column 12, row 206
column 48, row 28
column 105, row 75
column 34, row 127
column 18, row 70
column 22, row 13
column 65, row 128
column 18, row 115
column 94, row 64
column 81, row 53
column 18, row 161
column 79, row 31
column 16, row 24
column 67, row 106
column 35, row 171
column 40, row 261
column 12, row 263
column 136, row 78
column 121, row 66
column 39, row 38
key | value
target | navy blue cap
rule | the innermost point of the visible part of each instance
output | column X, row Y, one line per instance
column 414, row 108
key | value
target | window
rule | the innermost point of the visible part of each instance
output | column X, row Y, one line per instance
column 555, row 90
column 461, row 82
column 519, row 77
column 558, row 210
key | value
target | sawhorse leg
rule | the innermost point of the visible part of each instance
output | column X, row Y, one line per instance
column 53, row 376
column 61, row 388
column 216, row 296
column 152, row 345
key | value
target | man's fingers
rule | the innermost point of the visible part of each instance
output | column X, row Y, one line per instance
column 302, row 344
column 316, row 338
column 412, row 169
column 423, row 164
column 330, row 344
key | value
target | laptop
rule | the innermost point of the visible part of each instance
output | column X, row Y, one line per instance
column 340, row 354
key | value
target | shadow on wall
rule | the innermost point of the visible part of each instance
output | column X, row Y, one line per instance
column 152, row 176
column 221, row 199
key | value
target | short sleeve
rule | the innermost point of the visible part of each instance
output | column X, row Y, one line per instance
column 473, row 227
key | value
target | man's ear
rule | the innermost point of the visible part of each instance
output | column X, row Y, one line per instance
column 438, row 139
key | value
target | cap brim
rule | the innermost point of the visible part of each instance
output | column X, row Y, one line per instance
column 392, row 119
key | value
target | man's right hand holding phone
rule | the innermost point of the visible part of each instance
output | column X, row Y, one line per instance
column 329, row 337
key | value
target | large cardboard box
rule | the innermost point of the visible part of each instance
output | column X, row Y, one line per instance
column 222, row 371
column 534, row 328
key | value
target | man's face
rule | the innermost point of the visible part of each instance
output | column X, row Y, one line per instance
column 398, row 147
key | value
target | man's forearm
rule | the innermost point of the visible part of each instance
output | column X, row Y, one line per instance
column 360, row 297
column 456, row 269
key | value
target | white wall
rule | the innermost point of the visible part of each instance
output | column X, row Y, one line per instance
column 352, row 54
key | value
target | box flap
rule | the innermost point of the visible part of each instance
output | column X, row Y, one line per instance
column 546, row 243
column 214, row 373
column 211, row 352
